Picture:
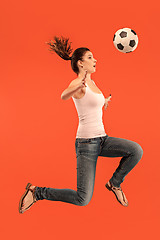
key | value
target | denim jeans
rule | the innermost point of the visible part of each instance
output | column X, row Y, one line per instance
column 87, row 152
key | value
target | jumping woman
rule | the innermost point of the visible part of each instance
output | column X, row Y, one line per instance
column 91, row 138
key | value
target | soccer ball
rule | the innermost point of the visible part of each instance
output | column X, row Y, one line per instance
column 125, row 40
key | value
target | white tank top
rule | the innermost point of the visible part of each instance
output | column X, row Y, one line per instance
column 89, row 110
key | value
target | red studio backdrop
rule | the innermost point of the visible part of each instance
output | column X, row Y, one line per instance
column 38, row 128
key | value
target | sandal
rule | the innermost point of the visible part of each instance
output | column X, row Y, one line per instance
column 24, row 195
column 118, row 193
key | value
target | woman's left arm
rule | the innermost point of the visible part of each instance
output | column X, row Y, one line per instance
column 106, row 102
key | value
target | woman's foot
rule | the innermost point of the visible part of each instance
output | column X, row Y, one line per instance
column 27, row 199
column 118, row 193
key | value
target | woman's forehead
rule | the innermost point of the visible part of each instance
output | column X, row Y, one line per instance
column 88, row 53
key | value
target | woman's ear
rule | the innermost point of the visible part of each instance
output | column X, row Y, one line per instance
column 80, row 63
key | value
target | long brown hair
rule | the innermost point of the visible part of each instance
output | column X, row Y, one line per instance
column 63, row 48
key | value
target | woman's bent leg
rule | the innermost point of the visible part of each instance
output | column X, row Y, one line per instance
column 85, row 184
column 131, row 153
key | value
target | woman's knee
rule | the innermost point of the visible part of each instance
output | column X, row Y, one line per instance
column 84, row 199
column 138, row 150
column 84, row 203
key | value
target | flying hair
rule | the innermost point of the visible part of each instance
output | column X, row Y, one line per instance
column 61, row 46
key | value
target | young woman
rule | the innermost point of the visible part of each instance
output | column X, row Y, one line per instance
column 91, row 138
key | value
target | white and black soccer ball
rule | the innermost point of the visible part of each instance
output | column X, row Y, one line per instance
column 125, row 40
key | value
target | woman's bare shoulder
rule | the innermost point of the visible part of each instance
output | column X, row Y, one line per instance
column 73, row 82
column 80, row 92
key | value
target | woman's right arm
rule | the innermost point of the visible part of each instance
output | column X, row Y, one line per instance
column 73, row 87
column 71, row 90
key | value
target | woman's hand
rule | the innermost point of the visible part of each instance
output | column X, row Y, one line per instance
column 106, row 102
column 83, row 81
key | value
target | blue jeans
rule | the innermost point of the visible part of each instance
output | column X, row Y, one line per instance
column 87, row 152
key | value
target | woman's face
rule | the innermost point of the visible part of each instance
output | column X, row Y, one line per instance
column 88, row 62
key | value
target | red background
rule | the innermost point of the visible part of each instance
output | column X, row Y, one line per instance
column 38, row 128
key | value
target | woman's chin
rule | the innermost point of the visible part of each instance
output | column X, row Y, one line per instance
column 91, row 71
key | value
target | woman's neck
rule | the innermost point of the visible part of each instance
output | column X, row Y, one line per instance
column 88, row 77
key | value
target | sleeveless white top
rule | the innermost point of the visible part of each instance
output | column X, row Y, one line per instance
column 89, row 110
